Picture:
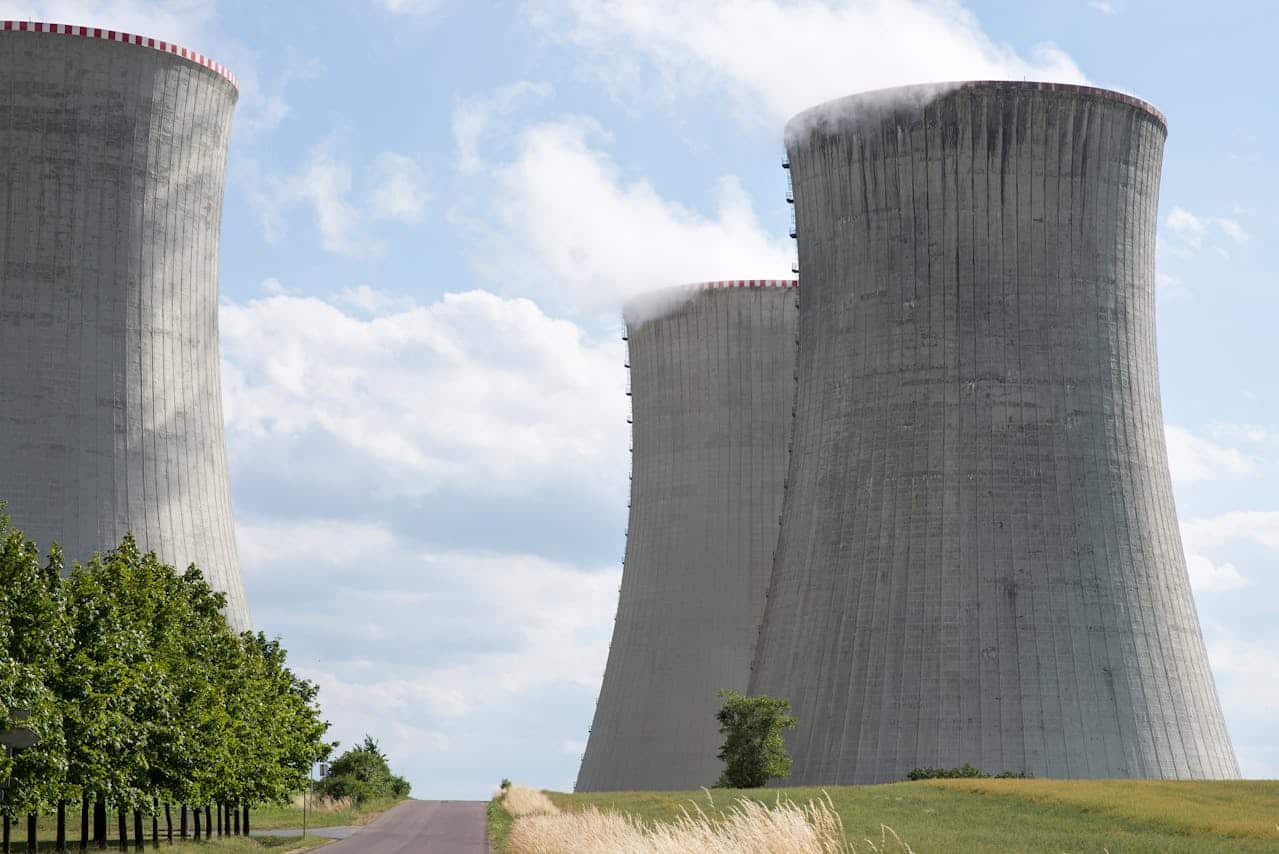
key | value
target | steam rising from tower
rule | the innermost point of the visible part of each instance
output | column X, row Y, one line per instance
column 114, row 149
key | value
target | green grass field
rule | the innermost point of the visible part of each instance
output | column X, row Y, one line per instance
column 1016, row 815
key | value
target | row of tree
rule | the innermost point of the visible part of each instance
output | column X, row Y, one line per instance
column 141, row 696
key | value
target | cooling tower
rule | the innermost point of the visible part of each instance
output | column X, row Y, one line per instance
column 712, row 383
column 114, row 148
column 979, row 558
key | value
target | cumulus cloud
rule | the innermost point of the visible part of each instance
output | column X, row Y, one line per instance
column 776, row 58
column 1194, row 458
column 432, row 650
column 1103, row 7
column 574, row 228
column 473, row 393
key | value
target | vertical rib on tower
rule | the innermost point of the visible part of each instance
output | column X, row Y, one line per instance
column 114, row 149
column 712, row 382
column 979, row 558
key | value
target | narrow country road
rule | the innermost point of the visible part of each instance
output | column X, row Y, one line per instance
column 422, row 827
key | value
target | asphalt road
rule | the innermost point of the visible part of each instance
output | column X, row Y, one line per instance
column 422, row 827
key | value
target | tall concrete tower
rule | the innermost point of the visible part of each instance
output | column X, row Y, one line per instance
column 979, row 558
column 712, row 382
column 112, row 154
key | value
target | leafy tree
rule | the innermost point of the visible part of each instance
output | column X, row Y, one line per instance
column 140, row 692
column 362, row 774
column 753, row 752
column 32, row 636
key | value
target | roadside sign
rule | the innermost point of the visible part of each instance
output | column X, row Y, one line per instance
column 18, row 738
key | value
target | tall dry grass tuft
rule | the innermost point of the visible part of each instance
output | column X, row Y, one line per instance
column 748, row 826
column 523, row 801
column 323, row 803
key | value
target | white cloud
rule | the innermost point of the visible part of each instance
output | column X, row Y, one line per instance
column 401, row 191
column 436, row 653
column 475, row 118
column 325, row 185
column 1171, row 286
column 1245, row 671
column 1233, row 230
column 183, row 21
column 1189, row 232
column 474, row 393
column 1253, row 434
column 1209, row 577
column 1255, row 526
column 581, row 234
column 1194, row 458
column 1103, row 7
column 776, row 58
column 411, row 7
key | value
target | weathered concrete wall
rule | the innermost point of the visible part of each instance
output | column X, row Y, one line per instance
column 712, row 386
column 979, row 558
column 111, row 171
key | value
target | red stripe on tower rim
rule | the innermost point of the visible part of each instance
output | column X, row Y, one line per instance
column 122, row 37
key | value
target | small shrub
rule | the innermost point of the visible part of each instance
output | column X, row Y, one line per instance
column 506, row 784
column 963, row 772
column 362, row 775
column 753, row 752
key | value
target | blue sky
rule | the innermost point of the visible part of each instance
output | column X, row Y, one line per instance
column 433, row 213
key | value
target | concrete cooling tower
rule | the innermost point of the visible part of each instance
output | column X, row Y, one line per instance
column 712, row 383
column 114, row 148
column 979, row 558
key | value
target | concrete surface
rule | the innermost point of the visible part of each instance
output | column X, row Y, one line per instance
column 979, row 558
column 111, row 161
column 712, row 385
column 422, row 827
column 340, row 832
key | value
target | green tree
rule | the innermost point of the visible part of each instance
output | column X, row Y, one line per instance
column 33, row 630
column 362, row 774
column 753, row 752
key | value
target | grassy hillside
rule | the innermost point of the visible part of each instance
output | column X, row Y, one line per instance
column 1015, row 815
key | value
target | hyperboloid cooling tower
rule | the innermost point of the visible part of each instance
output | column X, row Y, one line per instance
column 979, row 558
column 712, row 382
column 114, row 148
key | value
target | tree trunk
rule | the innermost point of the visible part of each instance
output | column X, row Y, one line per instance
column 196, row 813
column 31, row 833
column 100, row 822
column 182, row 822
column 246, row 819
column 219, row 809
column 139, row 838
column 4, row 843
column 235, row 811
column 155, row 823
column 60, row 840
column 122, row 821
column 168, row 823
column 208, row 821
column 84, row 822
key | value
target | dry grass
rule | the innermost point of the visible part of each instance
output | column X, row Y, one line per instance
column 321, row 803
column 523, row 801
column 784, row 828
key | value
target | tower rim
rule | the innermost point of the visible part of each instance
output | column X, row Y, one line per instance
column 922, row 93
column 121, row 37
